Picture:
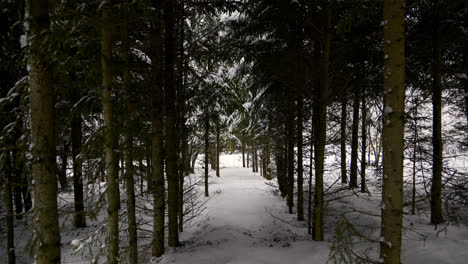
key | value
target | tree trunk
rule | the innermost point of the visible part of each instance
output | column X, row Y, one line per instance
column 267, row 158
column 415, row 124
column 309, row 202
column 109, row 137
column 181, row 104
column 364, row 145
column 465, row 82
column 157, row 132
column 300, row 169
column 171, row 122
column 207, row 149
column 436, row 187
column 393, row 130
column 320, row 132
column 129, row 169
column 42, row 137
column 218, row 148
column 243, row 152
column 290, row 152
column 344, row 178
column 79, row 219
column 8, row 200
column 62, row 172
column 248, row 157
column 17, row 183
column 354, row 143
column 148, row 170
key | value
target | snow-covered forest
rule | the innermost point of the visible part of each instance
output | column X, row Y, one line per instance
column 233, row 131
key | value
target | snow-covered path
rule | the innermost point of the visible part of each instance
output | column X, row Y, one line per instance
column 241, row 225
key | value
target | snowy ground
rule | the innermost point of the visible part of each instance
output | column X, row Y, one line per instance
column 243, row 224
column 246, row 221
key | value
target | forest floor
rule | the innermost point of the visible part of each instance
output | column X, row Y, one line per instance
column 246, row 223
column 245, row 220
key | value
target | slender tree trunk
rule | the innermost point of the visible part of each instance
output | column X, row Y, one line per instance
column 320, row 132
column 218, row 148
column 157, row 149
column 267, row 158
column 309, row 202
column 290, row 154
column 17, row 183
column 413, row 200
column 248, row 157
column 436, row 187
column 62, row 172
column 8, row 199
column 109, row 137
column 129, row 169
column 148, row 169
column 393, row 131
column 76, row 145
column 300, row 169
column 364, row 145
column 42, row 136
column 181, row 103
column 344, row 178
column 243, row 152
column 207, row 148
column 465, row 82
column 171, row 121
column 354, row 144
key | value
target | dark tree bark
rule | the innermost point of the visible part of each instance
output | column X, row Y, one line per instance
column 218, row 148
column 300, row 169
column 290, row 154
column 309, row 202
column 171, row 121
column 79, row 219
column 8, row 200
column 465, row 83
column 207, row 149
column 62, row 171
column 268, row 158
column 354, row 144
column 344, row 178
column 109, row 136
column 364, row 144
column 43, row 137
column 248, row 157
column 436, row 187
column 243, row 151
column 393, row 130
column 157, row 151
column 320, row 114
column 129, row 169
column 17, row 183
